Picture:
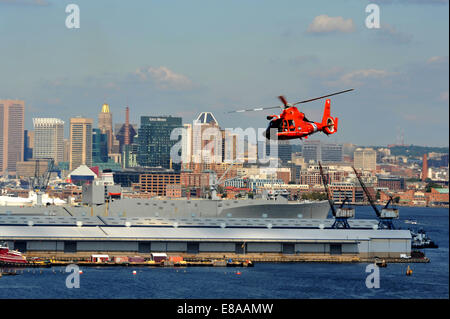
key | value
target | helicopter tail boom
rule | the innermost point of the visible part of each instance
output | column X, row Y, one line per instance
column 329, row 123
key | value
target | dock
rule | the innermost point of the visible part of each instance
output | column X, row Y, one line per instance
column 214, row 260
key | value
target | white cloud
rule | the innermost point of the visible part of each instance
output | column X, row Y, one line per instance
column 438, row 59
column 337, row 76
column 356, row 77
column 41, row 3
column 326, row 24
column 164, row 78
column 388, row 32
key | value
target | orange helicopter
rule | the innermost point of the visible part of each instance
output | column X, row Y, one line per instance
column 292, row 123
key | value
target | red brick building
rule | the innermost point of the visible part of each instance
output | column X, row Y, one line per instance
column 156, row 183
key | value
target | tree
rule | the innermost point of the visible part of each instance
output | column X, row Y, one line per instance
column 314, row 196
column 430, row 186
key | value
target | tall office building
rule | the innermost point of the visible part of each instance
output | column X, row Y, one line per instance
column 365, row 159
column 80, row 142
column 105, row 125
column 186, row 145
column 11, row 134
column 154, row 144
column 28, row 144
column 315, row 150
column 48, row 139
column 229, row 146
column 206, row 139
column 99, row 146
column 332, row 153
column 311, row 151
column 66, row 156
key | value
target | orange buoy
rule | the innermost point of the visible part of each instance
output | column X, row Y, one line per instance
column 238, row 273
column 409, row 271
column 134, row 272
column 80, row 272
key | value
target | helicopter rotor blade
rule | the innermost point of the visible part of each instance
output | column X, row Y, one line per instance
column 283, row 100
column 321, row 97
column 256, row 109
column 286, row 104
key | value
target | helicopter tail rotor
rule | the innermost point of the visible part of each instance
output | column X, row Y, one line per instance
column 329, row 123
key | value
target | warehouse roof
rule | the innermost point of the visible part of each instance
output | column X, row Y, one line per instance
column 195, row 233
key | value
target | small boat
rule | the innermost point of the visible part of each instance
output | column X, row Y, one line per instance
column 420, row 239
column 8, row 256
column 412, row 222
column 380, row 263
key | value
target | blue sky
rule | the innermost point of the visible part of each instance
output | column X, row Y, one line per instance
column 184, row 57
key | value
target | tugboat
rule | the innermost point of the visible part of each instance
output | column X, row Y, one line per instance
column 420, row 239
column 8, row 256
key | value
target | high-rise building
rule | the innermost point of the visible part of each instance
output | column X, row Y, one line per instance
column 28, row 144
column 105, row 125
column 11, row 134
column 186, row 145
column 80, row 142
column 48, row 139
column 99, row 146
column 332, row 153
column 315, row 150
column 365, row 159
column 66, row 157
column 229, row 146
column 206, row 139
column 155, row 143
column 311, row 151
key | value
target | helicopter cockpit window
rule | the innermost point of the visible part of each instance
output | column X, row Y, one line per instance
column 285, row 126
column 291, row 125
column 275, row 124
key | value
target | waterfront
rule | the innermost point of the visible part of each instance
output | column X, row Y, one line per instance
column 265, row 280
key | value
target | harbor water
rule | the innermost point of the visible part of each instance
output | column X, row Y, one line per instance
column 265, row 280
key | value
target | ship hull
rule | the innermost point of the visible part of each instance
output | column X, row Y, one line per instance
column 184, row 208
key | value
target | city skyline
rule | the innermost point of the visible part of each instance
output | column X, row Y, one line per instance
column 173, row 59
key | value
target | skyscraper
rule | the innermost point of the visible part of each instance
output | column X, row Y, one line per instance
column 28, row 144
column 11, row 134
column 316, row 151
column 365, row 159
column 154, row 141
column 99, row 146
column 80, row 142
column 206, row 139
column 105, row 125
column 48, row 138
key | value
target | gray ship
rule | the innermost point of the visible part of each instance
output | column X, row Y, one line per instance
column 97, row 201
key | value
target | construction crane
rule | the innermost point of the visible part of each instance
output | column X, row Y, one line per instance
column 216, row 182
column 40, row 182
column 341, row 214
column 386, row 215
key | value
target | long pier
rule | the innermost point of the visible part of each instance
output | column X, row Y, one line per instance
column 214, row 261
